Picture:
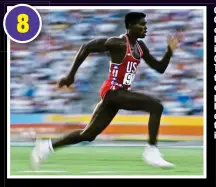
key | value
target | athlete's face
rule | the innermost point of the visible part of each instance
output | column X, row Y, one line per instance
column 140, row 29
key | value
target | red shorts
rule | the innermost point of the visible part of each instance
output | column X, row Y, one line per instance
column 106, row 86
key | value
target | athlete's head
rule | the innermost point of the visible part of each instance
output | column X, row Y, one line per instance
column 135, row 23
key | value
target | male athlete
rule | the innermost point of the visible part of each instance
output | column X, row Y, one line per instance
column 125, row 53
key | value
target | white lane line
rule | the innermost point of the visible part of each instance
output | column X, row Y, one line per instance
column 41, row 171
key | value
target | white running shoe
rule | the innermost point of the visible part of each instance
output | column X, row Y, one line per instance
column 153, row 157
column 40, row 153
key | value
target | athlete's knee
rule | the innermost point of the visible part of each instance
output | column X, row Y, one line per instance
column 159, row 107
column 156, row 106
column 86, row 136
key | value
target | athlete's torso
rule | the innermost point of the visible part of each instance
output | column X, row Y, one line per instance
column 122, row 73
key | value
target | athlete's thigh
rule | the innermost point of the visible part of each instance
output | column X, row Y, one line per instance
column 101, row 118
column 129, row 100
column 96, row 110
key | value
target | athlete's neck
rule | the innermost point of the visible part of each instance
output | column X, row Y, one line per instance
column 132, row 38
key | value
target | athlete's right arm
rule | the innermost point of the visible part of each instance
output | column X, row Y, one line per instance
column 94, row 46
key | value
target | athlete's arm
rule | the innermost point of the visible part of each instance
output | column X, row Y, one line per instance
column 94, row 46
column 161, row 65
column 97, row 45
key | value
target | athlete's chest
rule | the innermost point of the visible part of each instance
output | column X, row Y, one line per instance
column 129, row 65
column 135, row 53
column 125, row 51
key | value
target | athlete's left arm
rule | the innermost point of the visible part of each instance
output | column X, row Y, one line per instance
column 161, row 65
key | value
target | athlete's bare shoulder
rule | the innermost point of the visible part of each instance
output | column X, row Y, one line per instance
column 104, row 44
column 143, row 46
column 141, row 43
column 116, row 41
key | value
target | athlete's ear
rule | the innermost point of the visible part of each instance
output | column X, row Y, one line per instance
column 129, row 25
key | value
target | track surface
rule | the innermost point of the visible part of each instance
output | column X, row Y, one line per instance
column 86, row 160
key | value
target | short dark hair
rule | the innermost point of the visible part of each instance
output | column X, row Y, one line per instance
column 133, row 17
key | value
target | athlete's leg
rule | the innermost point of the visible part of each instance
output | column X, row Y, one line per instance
column 74, row 137
column 141, row 102
column 102, row 116
column 135, row 101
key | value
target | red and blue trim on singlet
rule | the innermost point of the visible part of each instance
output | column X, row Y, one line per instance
column 118, row 71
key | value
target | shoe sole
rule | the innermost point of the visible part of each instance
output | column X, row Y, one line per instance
column 34, row 166
column 158, row 166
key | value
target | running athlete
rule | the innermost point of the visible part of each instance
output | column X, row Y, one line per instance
column 125, row 53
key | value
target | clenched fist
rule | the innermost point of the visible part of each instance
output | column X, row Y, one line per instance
column 65, row 82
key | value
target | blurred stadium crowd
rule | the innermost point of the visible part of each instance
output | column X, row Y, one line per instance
column 36, row 66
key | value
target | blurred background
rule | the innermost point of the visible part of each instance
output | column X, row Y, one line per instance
column 39, row 109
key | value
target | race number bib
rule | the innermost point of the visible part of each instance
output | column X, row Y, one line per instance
column 128, row 79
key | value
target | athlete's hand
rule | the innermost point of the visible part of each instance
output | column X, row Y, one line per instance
column 65, row 82
column 175, row 40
